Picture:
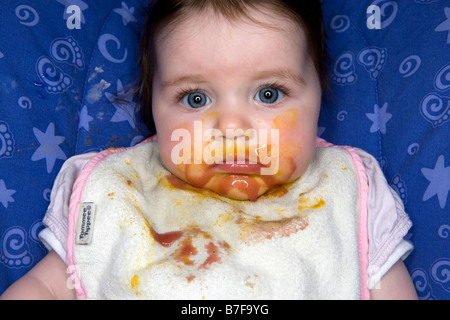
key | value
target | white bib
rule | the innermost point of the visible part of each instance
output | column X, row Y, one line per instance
column 136, row 232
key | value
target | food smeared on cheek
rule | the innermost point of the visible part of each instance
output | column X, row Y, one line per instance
column 287, row 167
column 176, row 182
column 198, row 174
column 242, row 185
column 288, row 124
column 210, row 117
column 286, row 120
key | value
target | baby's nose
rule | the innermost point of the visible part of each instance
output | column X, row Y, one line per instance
column 234, row 118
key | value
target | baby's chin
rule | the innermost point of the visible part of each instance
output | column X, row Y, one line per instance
column 236, row 194
column 238, row 187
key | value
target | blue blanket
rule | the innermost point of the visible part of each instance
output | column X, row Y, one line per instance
column 67, row 67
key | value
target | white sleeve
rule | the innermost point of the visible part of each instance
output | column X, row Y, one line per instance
column 54, row 236
column 387, row 222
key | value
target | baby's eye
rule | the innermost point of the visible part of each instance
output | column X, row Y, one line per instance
column 269, row 95
column 196, row 100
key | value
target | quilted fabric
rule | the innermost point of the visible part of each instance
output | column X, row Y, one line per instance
column 68, row 91
column 62, row 92
column 390, row 95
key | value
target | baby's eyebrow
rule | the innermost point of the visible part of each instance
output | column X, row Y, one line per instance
column 283, row 74
column 184, row 79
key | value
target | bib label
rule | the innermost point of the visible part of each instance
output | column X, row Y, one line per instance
column 85, row 223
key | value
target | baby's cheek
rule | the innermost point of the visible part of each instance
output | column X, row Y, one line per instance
column 289, row 144
column 289, row 127
column 286, row 119
column 165, row 151
column 286, row 168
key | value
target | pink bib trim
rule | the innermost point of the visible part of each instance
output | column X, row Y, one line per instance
column 363, row 233
column 74, row 207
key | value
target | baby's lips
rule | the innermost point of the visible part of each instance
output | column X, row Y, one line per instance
column 235, row 152
column 239, row 168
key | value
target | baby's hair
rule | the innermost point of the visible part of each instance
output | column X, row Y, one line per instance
column 164, row 15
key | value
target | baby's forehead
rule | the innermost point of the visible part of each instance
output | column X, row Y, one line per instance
column 226, row 50
column 223, row 51
column 193, row 23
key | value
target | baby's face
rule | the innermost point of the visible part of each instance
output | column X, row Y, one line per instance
column 236, row 104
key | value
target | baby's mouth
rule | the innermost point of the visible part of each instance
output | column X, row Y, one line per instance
column 243, row 161
column 239, row 168
column 237, row 157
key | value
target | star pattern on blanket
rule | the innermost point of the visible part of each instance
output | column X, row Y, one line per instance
column 123, row 102
column 5, row 194
column 445, row 26
column 380, row 117
column 49, row 148
column 85, row 118
column 439, row 179
column 126, row 13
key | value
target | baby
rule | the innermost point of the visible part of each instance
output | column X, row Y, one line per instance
column 237, row 198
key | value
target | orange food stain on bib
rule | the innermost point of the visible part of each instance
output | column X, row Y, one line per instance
column 166, row 239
